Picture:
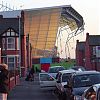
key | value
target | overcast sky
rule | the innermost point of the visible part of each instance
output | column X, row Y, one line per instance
column 89, row 9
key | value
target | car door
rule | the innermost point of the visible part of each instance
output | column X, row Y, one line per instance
column 98, row 94
column 58, row 81
column 47, row 81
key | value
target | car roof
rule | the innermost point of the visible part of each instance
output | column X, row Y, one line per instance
column 86, row 72
column 55, row 66
column 67, row 71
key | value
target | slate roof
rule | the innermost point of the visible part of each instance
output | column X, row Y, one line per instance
column 81, row 46
column 94, row 40
column 6, row 23
column 11, row 14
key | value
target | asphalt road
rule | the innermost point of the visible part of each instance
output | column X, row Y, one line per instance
column 30, row 91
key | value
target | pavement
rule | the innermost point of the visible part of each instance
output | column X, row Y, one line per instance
column 30, row 90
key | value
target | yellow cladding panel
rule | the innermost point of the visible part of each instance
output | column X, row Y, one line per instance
column 42, row 26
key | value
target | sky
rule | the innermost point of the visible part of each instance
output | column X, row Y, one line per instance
column 89, row 9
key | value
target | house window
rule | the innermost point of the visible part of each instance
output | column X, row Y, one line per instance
column 11, row 43
column 3, row 43
column 12, row 33
column 11, row 62
column 8, row 33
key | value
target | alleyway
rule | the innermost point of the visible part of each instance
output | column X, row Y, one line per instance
column 30, row 91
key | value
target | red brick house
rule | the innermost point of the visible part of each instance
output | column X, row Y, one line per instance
column 80, row 53
column 14, row 44
column 88, row 53
column 92, row 52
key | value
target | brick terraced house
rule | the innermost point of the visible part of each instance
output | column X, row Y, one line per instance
column 14, row 43
column 80, row 53
column 89, row 52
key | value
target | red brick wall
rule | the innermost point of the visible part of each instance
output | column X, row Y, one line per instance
column 23, row 55
column 79, row 58
column 0, row 55
column 17, row 80
column 12, row 83
column 88, row 63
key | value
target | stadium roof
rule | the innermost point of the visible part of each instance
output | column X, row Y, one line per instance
column 43, row 26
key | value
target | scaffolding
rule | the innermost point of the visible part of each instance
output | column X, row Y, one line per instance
column 5, row 7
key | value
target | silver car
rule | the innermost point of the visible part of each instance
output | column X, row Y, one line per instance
column 53, row 70
column 47, row 81
column 62, row 79
column 92, row 93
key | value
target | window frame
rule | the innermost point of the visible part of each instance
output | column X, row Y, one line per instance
column 9, row 67
column 12, row 43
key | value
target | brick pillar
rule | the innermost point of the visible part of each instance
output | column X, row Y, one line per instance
column 0, row 55
column 23, row 55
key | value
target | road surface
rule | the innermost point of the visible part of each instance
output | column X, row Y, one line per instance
column 30, row 91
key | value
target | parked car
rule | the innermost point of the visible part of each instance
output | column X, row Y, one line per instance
column 78, row 68
column 62, row 79
column 53, row 70
column 82, row 80
column 92, row 93
column 78, row 82
column 47, row 81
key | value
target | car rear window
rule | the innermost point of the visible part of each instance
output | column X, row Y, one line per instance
column 86, row 80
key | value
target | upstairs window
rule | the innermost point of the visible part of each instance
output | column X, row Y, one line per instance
column 10, row 43
column 9, row 40
column 3, row 43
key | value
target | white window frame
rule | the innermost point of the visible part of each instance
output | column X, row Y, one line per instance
column 8, row 33
column 9, row 67
column 3, row 43
column 13, row 43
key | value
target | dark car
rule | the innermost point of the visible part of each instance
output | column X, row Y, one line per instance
column 82, row 80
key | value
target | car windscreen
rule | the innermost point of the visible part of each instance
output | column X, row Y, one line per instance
column 65, row 77
column 55, row 69
column 86, row 80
